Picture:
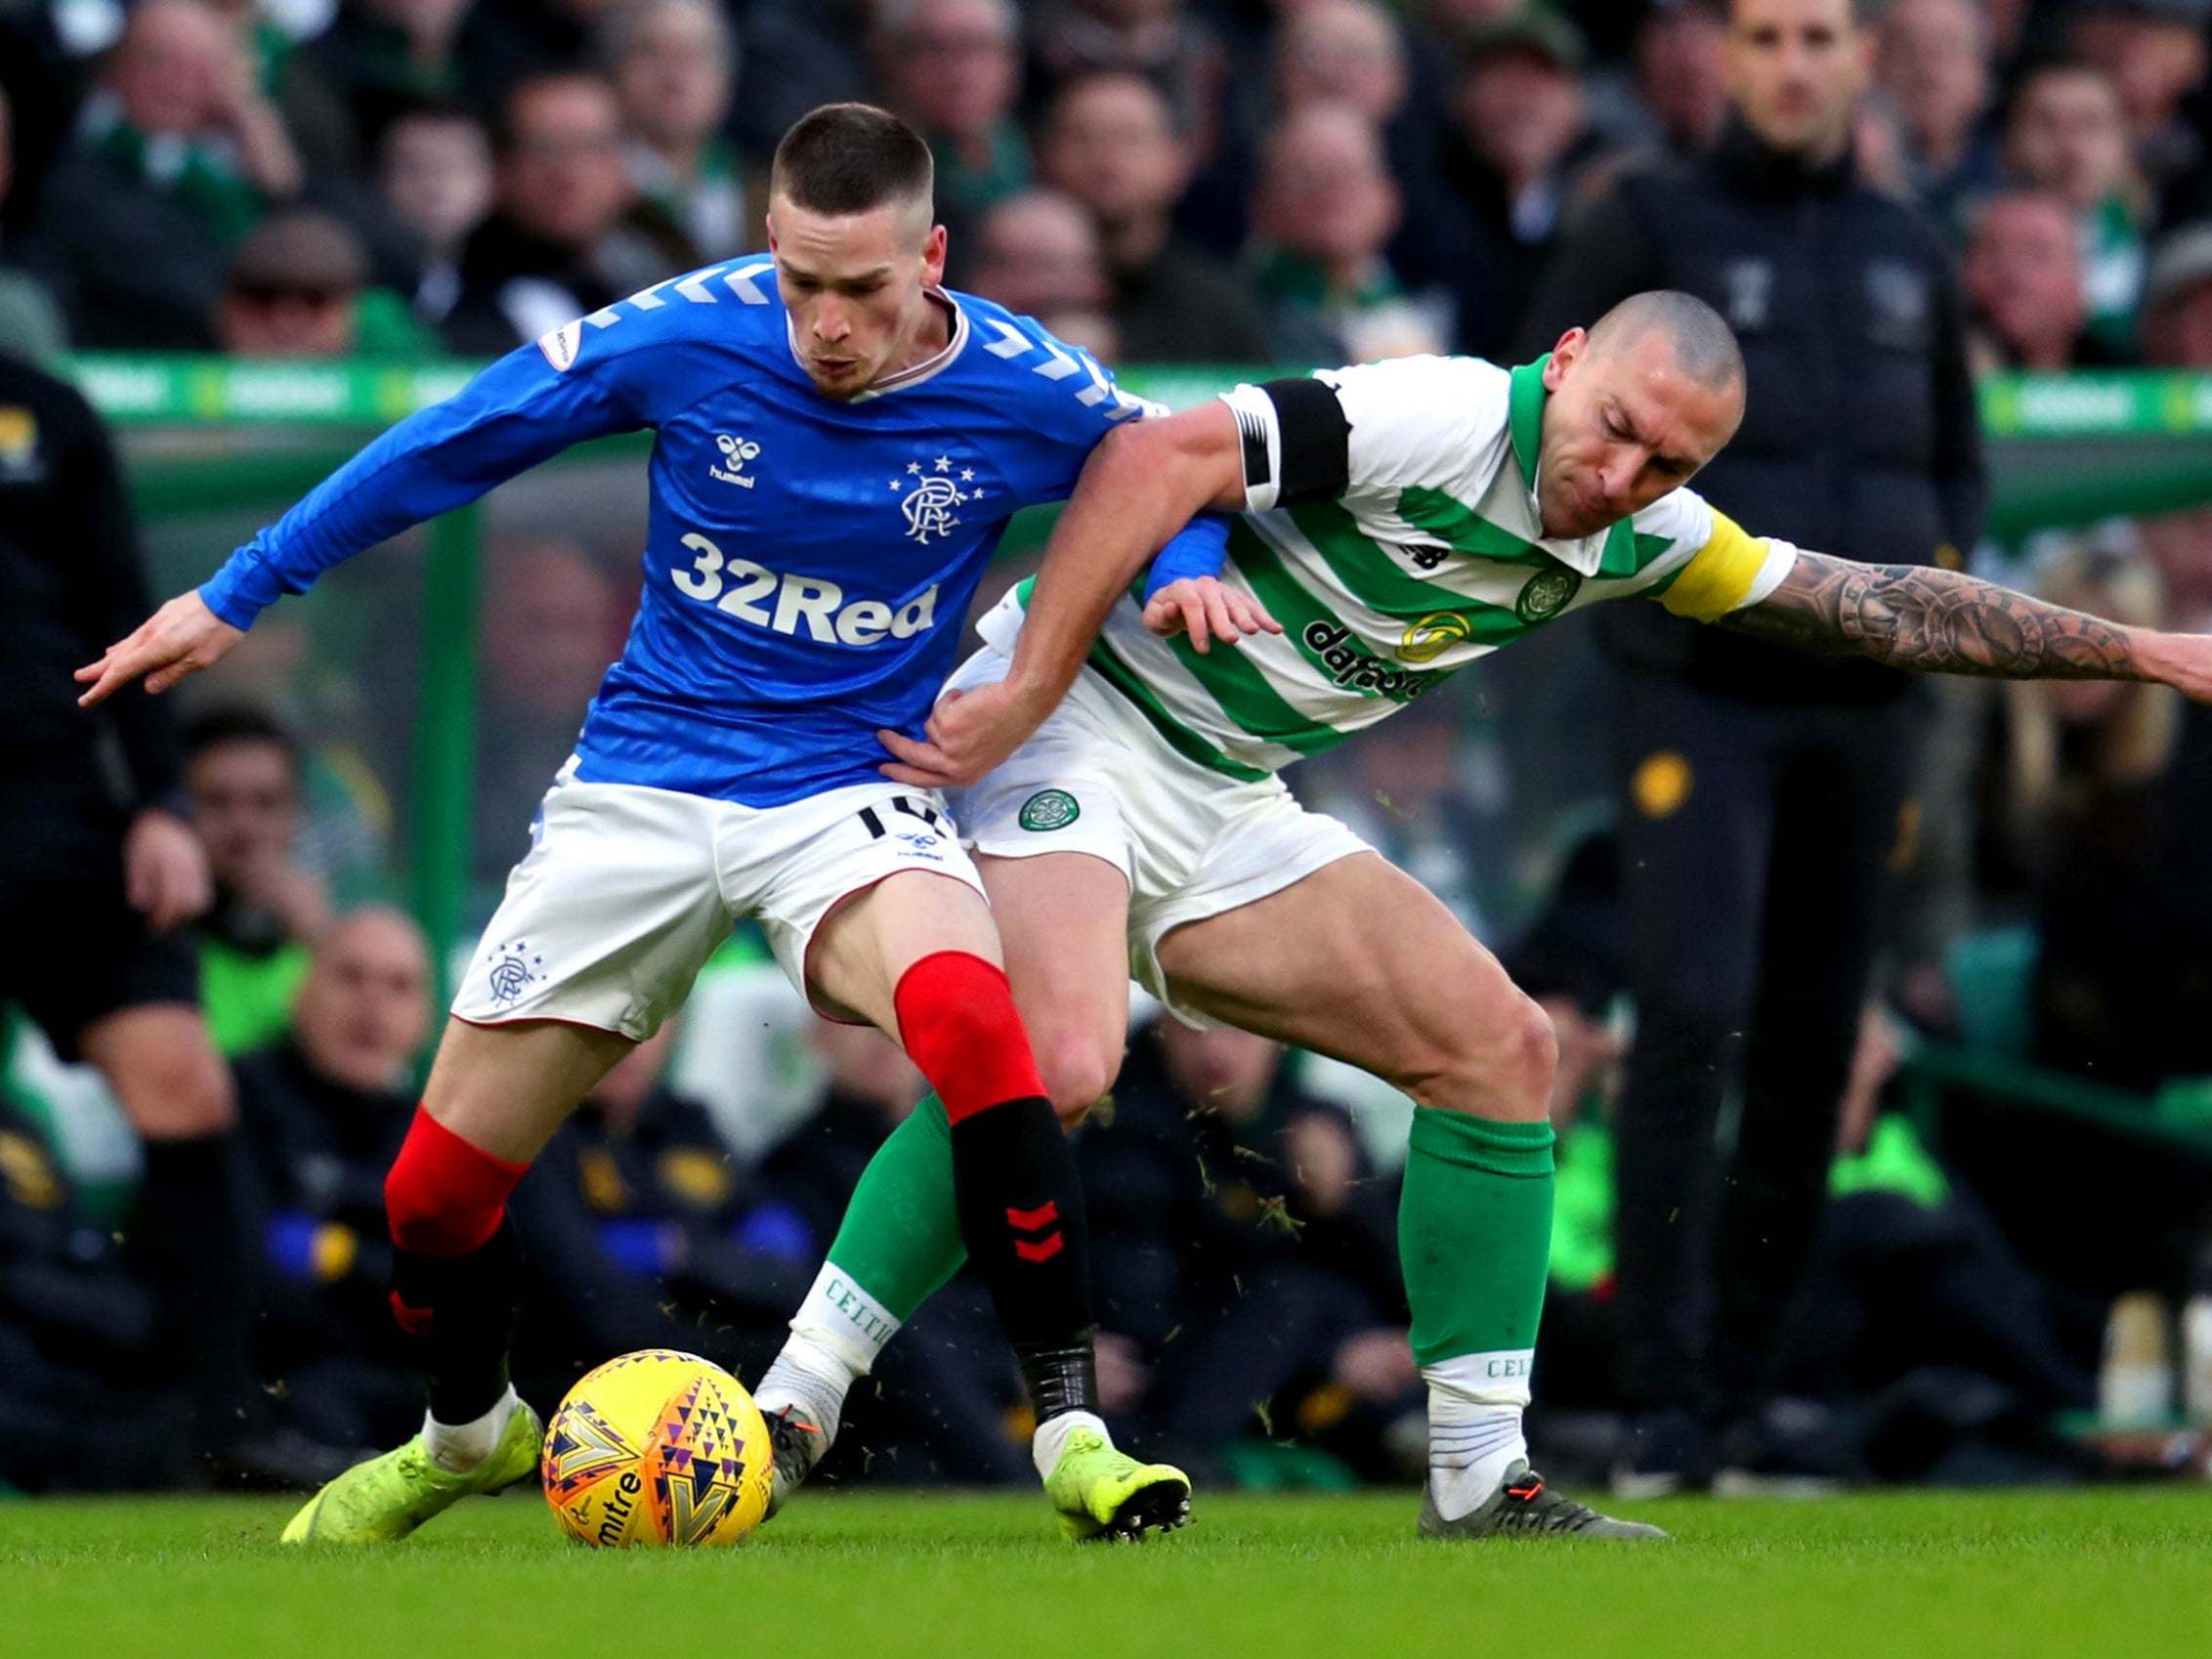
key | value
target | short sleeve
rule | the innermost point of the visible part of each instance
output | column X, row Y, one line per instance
column 1378, row 426
column 1057, row 397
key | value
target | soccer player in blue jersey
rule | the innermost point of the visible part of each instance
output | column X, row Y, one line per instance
column 839, row 442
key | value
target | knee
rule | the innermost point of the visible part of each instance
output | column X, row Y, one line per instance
column 1500, row 1069
column 178, row 1095
column 1078, row 1070
column 442, row 1196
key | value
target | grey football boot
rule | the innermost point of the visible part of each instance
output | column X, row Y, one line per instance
column 1523, row 1504
column 797, row 1446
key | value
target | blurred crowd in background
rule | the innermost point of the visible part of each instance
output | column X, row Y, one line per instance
column 1204, row 180
column 1240, row 183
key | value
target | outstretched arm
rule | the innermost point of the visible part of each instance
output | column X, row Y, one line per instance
column 1946, row 621
column 533, row 402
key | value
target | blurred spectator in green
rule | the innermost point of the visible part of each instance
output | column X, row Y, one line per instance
column 30, row 322
column 2065, row 132
column 178, row 153
column 2154, row 52
column 298, row 287
column 1110, row 141
column 434, row 171
column 952, row 69
column 1522, row 148
column 557, row 245
column 672, row 63
column 2177, row 301
column 1324, row 213
column 313, row 113
column 1933, row 63
column 1036, row 254
column 2022, row 271
column 1358, row 53
column 244, row 773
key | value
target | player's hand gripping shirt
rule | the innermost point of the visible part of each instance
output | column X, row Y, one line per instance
column 1392, row 530
column 808, row 563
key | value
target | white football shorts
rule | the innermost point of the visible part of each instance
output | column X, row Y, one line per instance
column 1095, row 777
column 626, row 891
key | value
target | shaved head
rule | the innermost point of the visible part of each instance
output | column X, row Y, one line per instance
column 1637, row 404
column 1704, row 346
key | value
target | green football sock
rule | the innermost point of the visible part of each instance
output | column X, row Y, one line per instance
column 1474, row 1234
column 901, row 1237
column 899, row 1241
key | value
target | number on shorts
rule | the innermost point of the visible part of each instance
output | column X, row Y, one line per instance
column 912, row 808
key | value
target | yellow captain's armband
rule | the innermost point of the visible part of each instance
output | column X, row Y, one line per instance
column 1720, row 576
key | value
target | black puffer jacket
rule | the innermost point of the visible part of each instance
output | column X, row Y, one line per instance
column 1860, row 436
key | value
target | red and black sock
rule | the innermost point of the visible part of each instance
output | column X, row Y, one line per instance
column 1014, row 1181
column 455, row 1265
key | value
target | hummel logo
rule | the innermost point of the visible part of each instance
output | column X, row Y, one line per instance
column 736, row 451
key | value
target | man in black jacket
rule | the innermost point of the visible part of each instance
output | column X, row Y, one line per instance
column 1763, row 795
column 97, row 872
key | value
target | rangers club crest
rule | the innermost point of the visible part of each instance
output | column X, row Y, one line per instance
column 516, row 969
column 930, row 496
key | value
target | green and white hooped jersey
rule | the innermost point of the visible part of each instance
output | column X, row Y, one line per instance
column 1392, row 530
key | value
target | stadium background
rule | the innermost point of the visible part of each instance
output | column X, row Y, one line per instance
column 1195, row 193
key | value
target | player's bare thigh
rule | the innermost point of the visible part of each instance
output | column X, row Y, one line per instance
column 865, row 945
column 1064, row 921
column 505, row 1088
column 1361, row 963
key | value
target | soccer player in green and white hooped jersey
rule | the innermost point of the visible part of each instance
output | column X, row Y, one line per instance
column 1400, row 519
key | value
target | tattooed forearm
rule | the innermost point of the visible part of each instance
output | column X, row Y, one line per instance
column 1943, row 621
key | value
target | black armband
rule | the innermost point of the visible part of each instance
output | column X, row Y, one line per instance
column 1294, row 441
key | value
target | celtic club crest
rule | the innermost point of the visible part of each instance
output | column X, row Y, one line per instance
column 929, row 496
column 1546, row 594
column 1048, row 809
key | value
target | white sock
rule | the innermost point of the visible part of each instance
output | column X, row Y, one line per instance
column 808, row 1380
column 835, row 1336
column 1474, row 1425
column 1051, row 1437
column 458, row 1446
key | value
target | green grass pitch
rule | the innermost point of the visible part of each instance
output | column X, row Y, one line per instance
column 1976, row 1576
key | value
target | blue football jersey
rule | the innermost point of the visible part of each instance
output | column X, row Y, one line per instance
column 808, row 563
